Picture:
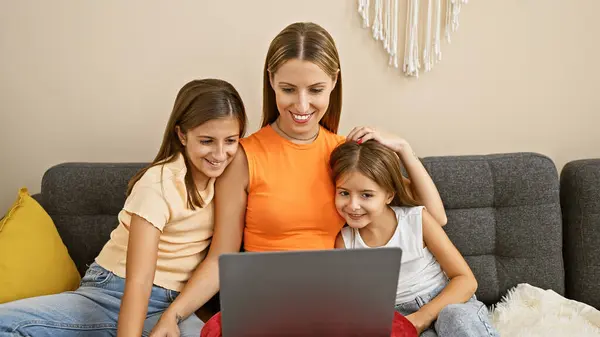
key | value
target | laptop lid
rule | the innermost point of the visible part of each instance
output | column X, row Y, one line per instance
column 334, row 292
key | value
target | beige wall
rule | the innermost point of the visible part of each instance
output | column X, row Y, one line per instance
column 95, row 80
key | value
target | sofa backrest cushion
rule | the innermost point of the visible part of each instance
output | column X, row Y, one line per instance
column 580, row 199
column 504, row 216
column 84, row 199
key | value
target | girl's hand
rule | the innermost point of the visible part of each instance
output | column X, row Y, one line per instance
column 166, row 327
column 395, row 143
column 420, row 320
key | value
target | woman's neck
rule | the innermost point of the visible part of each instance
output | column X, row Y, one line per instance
column 304, row 138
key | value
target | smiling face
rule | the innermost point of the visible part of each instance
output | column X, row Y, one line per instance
column 302, row 91
column 359, row 200
column 210, row 147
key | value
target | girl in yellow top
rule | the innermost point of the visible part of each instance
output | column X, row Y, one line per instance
column 163, row 234
column 277, row 194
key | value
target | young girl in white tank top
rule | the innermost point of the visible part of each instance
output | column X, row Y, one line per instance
column 436, row 286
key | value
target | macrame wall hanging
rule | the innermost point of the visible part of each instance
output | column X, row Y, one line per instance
column 385, row 28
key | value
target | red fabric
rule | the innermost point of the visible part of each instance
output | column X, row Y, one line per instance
column 212, row 328
column 401, row 327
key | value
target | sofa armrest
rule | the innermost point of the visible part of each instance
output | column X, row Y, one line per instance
column 580, row 200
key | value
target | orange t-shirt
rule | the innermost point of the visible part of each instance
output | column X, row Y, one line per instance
column 290, row 193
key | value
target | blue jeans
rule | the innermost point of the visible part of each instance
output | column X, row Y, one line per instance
column 91, row 310
column 468, row 319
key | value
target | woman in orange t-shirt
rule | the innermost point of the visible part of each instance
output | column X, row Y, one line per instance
column 277, row 193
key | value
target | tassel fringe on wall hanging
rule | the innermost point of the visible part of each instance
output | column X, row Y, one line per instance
column 416, row 56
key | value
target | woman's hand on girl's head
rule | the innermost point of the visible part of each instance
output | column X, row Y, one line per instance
column 364, row 133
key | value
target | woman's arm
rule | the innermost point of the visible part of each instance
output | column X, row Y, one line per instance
column 462, row 283
column 142, row 250
column 422, row 185
column 230, row 209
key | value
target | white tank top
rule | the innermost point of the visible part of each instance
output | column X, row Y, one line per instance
column 420, row 273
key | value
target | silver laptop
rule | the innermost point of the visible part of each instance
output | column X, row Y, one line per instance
column 334, row 292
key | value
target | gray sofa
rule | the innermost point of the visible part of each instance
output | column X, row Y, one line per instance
column 510, row 215
column 580, row 197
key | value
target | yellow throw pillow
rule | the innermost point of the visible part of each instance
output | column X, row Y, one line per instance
column 33, row 259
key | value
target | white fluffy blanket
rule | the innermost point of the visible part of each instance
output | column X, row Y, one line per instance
column 528, row 311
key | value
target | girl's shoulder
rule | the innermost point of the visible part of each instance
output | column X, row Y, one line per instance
column 166, row 174
column 410, row 231
column 408, row 211
column 159, row 191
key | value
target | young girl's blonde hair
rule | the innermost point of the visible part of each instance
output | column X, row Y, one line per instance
column 376, row 162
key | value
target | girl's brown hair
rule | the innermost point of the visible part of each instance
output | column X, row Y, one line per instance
column 197, row 102
column 376, row 162
column 310, row 42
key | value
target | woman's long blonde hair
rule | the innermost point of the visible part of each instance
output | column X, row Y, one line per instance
column 310, row 42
